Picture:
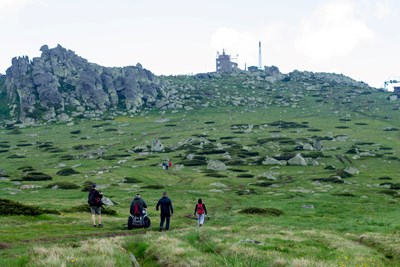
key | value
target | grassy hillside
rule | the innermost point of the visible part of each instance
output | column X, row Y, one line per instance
column 259, row 215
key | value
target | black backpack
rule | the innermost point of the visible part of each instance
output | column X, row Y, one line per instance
column 93, row 200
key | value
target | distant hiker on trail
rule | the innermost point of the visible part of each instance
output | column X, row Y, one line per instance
column 166, row 210
column 201, row 211
column 170, row 164
column 94, row 201
column 137, row 206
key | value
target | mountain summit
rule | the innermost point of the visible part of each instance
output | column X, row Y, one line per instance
column 60, row 85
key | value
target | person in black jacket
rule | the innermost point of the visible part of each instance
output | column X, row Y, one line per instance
column 94, row 201
column 142, row 204
column 166, row 210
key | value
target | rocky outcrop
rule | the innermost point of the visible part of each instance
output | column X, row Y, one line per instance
column 59, row 85
column 60, row 82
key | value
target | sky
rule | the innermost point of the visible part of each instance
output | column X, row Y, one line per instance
column 356, row 38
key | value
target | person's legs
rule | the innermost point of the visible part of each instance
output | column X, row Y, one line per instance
column 162, row 219
column 167, row 225
column 201, row 219
column 99, row 217
column 92, row 210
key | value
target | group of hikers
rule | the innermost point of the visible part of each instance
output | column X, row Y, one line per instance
column 164, row 204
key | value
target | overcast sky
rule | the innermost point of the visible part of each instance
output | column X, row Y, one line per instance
column 358, row 38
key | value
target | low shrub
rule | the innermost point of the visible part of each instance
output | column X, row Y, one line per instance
column 345, row 194
column 334, row 180
column 216, row 175
column 36, row 176
column 15, row 156
column 245, row 175
column 75, row 132
column 262, row 211
column 63, row 185
column 111, row 130
column 67, row 172
column 131, row 180
column 9, row 207
column 26, row 168
column 385, row 178
column 67, row 157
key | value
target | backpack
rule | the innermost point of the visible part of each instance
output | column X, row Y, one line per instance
column 137, row 209
column 200, row 209
column 93, row 200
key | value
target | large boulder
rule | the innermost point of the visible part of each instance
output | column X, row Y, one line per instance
column 298, row 160
column 351, row 170
column 271, row 161
column 216, row 165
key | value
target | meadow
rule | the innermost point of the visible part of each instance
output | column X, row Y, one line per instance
column 260, row 214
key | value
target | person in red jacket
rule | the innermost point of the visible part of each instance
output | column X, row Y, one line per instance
column 201, row 211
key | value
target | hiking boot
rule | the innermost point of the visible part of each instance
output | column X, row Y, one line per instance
column 94, row 225
column 100, row 225
column 160, row 229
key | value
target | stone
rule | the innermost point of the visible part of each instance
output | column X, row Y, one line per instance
column 216, row 165
column 107, row 201
column 298, row 160
column 271, row 161
column 29, row 186
column 216, row 191
column 219, row 185
column 351, row 170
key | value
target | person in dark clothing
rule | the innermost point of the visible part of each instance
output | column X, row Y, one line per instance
column 166, row 210
column 142, row 204
column 201, row 211
column 94, row 201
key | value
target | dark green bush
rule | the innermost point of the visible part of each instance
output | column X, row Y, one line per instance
column 63, row 185
column 245, row 175
column 15, row 156
column 36, row 176
column 76, row 132
column 216, row 175
column 67, row 172
column 262, row 211
column 131, row 180
column 26, row 168
column 334, row 180
column 9, row 207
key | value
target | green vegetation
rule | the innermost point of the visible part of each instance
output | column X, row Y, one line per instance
column 259, row 213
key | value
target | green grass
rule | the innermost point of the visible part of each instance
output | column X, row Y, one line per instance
column 350, row 224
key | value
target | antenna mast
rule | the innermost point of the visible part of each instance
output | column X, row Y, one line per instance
column 259, row 56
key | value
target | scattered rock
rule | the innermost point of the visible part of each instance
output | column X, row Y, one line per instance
column 298, row 160
column 216, row 165
column 271, row 161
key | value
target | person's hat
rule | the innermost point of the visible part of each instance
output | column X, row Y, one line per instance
column 94, row 185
